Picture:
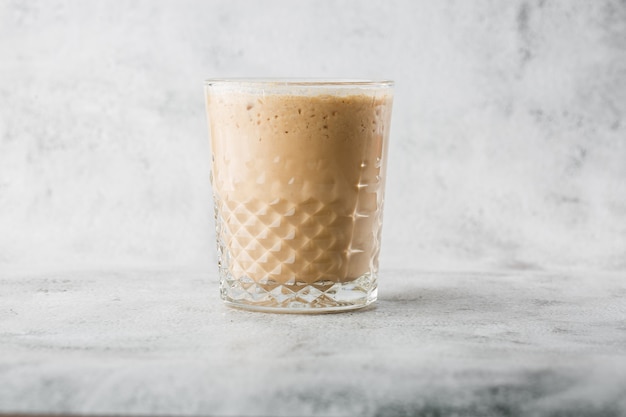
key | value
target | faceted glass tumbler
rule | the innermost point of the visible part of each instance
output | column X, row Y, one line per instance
column 298, row 177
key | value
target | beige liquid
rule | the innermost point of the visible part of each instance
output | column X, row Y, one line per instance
column 298, row 182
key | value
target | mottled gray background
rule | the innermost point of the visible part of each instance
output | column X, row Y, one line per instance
column 508, row 141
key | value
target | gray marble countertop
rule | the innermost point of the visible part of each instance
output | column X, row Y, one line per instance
column 436, row 344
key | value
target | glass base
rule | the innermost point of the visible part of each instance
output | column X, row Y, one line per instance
column 307, row 298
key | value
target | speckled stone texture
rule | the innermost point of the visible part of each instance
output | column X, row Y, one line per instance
column 507, row 142
column 460, row 344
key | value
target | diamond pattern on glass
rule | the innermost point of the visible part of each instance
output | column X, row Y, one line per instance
column 285, row 242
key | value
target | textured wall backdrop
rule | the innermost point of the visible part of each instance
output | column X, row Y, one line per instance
column 508, row 141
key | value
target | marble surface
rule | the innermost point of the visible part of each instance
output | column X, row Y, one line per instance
column 436, row 344
column 507, row 146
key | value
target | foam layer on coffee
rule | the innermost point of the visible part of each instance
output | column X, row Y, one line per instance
column 298, row 181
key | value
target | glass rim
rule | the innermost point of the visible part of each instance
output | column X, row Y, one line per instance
column 299, row 82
